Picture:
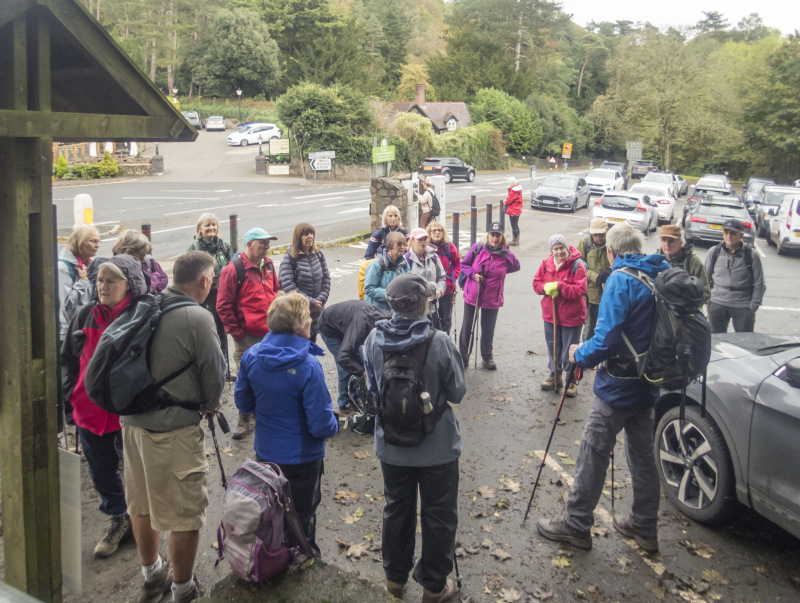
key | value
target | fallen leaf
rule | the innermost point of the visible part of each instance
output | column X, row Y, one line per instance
column 561, row 562
column 530, row 453
column 658, row 591
column 486, row 528
column 307, row 563
column 541, row 593
column 499, row 398
column 624, row 561
column 500, row 554
column 563, row 455
column 227, row 449
column 356, row 551
column 343, row 497
column 209, row 451
column 361, row 454
column 701, row 550
column 486, row 543
column 215, row 545
column 511, row 486
column 714, row 577
column 510, row 595
column 348, row 518
column 486, row 491
column 568, row 461
column 472, row 550
column 580, row 594
column 762, row 570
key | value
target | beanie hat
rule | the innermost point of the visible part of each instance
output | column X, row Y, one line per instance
column 557, row 239
column 406, row 292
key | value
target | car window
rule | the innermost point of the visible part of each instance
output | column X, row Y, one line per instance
column 618, row 201
column 647, row 190
column 721, row 211
column 604, row 174
column 581, row 182
column 559, row 182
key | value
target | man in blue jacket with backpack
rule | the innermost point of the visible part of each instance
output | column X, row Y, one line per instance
column 622, row 401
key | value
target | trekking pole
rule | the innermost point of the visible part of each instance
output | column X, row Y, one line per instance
column 572, row 371
column 556, row 363
column 222, row 424
column 454, row 321
column 612, row 481
column 455, row 566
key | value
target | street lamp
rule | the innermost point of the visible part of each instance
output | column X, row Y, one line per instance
column 239, row 94
column 259, row 144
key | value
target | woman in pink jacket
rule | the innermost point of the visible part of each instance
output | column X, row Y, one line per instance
column 513, row 207
column 562, row 280
column 484, row 270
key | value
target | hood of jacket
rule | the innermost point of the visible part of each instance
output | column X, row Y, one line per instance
column 401, row 332
column 649, row 264
column 131, row 268
column 281, row 351
column 390, row 265
column 430, row 256
column 516, row 188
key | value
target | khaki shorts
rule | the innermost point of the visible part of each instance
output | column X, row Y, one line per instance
column 165, row 477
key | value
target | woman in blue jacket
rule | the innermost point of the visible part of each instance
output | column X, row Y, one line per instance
column 284, row 385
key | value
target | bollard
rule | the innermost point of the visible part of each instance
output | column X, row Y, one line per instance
column 473, row 219
column 502, row 213
column 146, row 231
column 488, row 216
column 234, row 233
column 261, row 165
column 456, row 227
column 83, row 210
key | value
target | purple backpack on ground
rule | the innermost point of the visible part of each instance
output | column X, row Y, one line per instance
column 251, row 533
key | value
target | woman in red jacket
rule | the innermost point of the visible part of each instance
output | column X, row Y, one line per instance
column 562, row 280
column 513, row 207
column 451, row 261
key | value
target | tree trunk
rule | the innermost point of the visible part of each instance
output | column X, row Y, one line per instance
column 153, row 63
column 580, row 79
column 518, row 52
column 98, row 10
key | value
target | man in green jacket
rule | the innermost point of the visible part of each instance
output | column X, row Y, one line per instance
column 593, row 251
column 682, row 256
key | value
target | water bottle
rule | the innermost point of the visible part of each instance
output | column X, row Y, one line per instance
column 428, row 422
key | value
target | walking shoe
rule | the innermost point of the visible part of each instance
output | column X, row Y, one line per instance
column 466, row 362
column 154, row 589
column 242, row 424
column 398, row 591
column 192, row 594
column 572, row 390
column 624, row 526
column 561, row 532
column 559, row 381
column 119, row 529
column 488, row 364
column 549, row 383
column 445, row 595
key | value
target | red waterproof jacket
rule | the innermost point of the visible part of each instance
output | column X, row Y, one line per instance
column 572, row 283
column 451, row 268
column 244, row 311
column 514, row 200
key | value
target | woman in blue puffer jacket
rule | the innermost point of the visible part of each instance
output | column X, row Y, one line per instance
column 282, row 382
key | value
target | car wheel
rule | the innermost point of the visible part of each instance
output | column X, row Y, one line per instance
column 470, row 176
column 447, row 177
column 770, row 241
column 694, row 465
column 243, row 143
column 779, row 245
column 574, row 207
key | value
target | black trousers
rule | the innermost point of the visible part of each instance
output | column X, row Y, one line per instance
column 514, row 225
column 438, row 493
column 103, row 457
column 744, row 320
column 305, row 481
column 446, row 313
column 488, row 320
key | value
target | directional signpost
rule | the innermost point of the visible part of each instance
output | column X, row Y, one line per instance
column 322, row 155
column 320, row 165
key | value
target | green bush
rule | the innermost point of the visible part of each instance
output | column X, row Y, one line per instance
column 481, row 146
column 69, row 175
column 251, row 110
column 86, row 171
column 108, row 166
column 61, row 166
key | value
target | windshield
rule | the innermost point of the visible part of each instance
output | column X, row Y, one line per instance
column 620, row 202
column 649, row 190
column 774, row 197
column 755, row 187
column 658, row 178
column 601, row 174
column 559, row 182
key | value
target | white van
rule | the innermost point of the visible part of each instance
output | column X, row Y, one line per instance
column 252, row 132
column 784, row 228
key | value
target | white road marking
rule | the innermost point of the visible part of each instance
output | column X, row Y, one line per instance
column 173, row 213
column 358, row 190
column 361, row 245
column 269, row 205
column 105, row 223
column 176, row 198
column 758, row 249
column 189, row 190
column 347, row 202
column 779, row 309
column 357, row 209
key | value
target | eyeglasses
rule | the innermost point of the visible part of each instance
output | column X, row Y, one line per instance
column 436, row 230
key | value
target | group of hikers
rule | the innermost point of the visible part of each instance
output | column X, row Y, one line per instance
column 396, row 340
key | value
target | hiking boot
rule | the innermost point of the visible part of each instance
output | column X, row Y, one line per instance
column 154, row 589
column 242, row 425
column 445, row 595
column 488, row 364
column 561, row 532
column 549, row 383
column 514, row 242
column 466, row 362
column 193, row 594
column 119, row 529
column 559, row 381
column 624, row 526
column 398, row 591
column 572, row 390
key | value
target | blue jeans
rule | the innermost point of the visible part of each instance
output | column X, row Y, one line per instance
column 334, row 345
column 103, row 459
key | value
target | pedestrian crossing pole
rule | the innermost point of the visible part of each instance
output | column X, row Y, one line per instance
column 234, row 223
column 473, row 215
column 488, row 216
column 456, row 227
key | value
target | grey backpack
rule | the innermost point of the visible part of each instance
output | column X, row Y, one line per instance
column 118, row 376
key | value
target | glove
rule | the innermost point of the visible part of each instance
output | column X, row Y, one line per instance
column 603, row 276
column 551, row 289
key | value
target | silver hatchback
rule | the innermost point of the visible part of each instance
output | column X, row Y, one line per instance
column 619, row 207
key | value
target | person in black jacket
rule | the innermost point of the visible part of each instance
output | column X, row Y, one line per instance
column 344, row 328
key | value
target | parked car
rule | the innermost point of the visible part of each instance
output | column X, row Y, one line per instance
column 193, row 117
column 641, row 167
column 744, row 446
column 784, row 228
column 662, row 195
column 215, row 122
column 719, row 181
column 617, row 207
column 253, row 134
column 667, row 178
column 601, row 181
column 751, row 190
column 705, row 221
column 561, row 191
column 704, row 192
column 684, row 185
column 767, row 204
column 449, row 167
column 619, row 166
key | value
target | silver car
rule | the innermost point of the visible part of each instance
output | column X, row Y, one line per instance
column 617, row 207
column 661, row 195
column 561, row 191
column 745, row 445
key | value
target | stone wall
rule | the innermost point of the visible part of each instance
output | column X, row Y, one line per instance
column 385, row 192
column 140, row 168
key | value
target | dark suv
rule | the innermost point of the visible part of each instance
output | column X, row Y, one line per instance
column 642, row 167
column 620, row 167
column 449, row 167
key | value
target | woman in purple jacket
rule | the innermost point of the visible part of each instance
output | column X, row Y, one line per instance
column 485, row 267
column 132, row 242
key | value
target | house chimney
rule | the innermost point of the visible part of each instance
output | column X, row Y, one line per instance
column 419, row 97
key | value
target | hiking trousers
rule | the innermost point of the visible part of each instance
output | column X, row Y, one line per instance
column 438, row 493
column 488, row 320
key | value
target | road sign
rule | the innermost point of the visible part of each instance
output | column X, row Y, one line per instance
column 321, row 165
column 322, row 155
column 278, row 170
column 552, row 160
column 567, row 152
column 634, row 148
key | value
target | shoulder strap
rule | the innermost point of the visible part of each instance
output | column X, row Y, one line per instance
column 237, row 263
column 224, row 249
column 197, row 245
column 73, row 272
column 381, row 261
column 748, row 257
column 687, row 261
column 713, row 255
column 589, row 243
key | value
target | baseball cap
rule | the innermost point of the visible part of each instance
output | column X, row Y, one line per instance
column 598, row 226
column 670, row 231
column 495, row 227
column 734, row 225
column 257, row 234
column 419, row 233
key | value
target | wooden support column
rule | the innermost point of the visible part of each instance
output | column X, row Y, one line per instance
column 28, row 448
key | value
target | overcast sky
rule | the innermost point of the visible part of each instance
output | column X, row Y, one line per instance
column 780, row 14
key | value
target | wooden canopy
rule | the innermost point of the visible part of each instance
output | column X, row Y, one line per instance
column 62, row 78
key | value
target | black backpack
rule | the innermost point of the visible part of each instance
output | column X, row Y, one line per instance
column 399, row 406
column 680, row 344
column 436, row 209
